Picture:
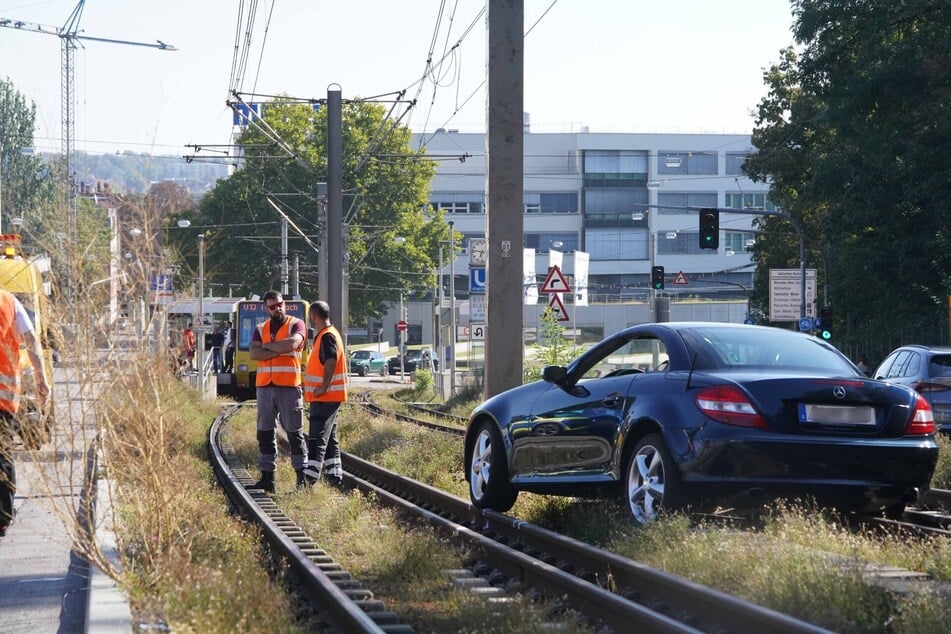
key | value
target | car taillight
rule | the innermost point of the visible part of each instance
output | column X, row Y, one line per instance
column 925, row 386
column 922, row 420
column 727, row 404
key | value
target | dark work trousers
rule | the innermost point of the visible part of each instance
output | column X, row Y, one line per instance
column 288, row 403
column 323, row 449
column 8, row 474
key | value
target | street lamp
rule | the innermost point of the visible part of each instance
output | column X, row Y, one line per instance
column 201, row 312
column 452, row 310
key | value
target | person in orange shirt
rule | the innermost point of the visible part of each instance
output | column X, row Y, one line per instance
column 325, row 389
column 15, row 327
column 276, row 345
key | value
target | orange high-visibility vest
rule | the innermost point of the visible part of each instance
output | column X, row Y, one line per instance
column 314, row 375
column 9, row 355
column 284, row 369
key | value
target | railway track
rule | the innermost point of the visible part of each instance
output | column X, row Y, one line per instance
column 610, row 591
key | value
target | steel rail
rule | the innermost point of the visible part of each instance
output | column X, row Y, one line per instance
column 692, row 602
column 324, row 581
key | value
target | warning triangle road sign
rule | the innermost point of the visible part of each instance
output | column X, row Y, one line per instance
column 555, row 282
column 558, row 307
column 681, row 278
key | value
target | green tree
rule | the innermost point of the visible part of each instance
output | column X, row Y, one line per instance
column 553, row 349
column 851, row 134
column 26, row 190
column 385, row 196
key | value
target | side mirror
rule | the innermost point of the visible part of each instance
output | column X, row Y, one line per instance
column 555, row 374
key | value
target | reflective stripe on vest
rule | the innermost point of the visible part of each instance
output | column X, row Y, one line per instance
column 314, row 375
column 9, row 355
column 284, row 369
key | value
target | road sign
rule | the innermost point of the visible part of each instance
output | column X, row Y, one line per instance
column 477, row 280
column 681, row 278
column 785, row 294
column 555, row 282
column 477, row 332
column 558, row 307
column 477, row 308
column 401, row 325
column 805, row 324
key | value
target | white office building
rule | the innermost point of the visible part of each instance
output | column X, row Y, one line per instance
column 616, row 197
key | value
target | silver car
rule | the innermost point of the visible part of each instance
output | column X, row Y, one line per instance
column 925, row 369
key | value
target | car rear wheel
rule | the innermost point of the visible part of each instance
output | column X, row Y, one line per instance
column 488, row 473
column 652, row 480
column 363, row 371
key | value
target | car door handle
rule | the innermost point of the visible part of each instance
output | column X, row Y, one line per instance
column 613, row 401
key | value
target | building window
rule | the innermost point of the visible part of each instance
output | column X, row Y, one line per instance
column 738, row 241
column 749, row 201
column 469, row 203
column 544, row 242
column 673, row 203
column 685, row 243
column 621, row 243
column 615, row 199
column 670, row 162
column 630, row 164
column 734, row 163
column 560, row 203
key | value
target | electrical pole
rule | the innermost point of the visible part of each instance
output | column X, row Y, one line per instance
column 505, row 141
column 336, row 241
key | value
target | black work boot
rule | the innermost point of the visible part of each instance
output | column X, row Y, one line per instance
column 302, row 480
column 266, row 483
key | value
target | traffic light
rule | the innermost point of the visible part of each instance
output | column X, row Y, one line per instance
column 657, row 278
column 709, row 229
column 824, row 323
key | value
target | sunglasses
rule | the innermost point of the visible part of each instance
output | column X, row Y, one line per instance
column 273, row 306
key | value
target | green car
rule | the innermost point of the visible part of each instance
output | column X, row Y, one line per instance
column 364, row 362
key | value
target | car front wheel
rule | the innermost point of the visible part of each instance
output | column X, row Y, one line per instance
column 652, row 480
column 488, row 473
column 363, row 370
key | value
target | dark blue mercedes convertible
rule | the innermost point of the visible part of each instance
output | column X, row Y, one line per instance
column 677, row 415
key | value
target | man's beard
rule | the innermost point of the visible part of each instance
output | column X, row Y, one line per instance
column 277, row 320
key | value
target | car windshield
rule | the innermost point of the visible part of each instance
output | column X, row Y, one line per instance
column 361, row 355
column 743, row 348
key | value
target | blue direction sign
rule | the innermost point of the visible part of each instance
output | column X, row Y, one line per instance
column 477, row 280
column 749, row 322
column 805, row 324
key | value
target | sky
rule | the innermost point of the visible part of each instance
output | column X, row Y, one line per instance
column 611, row 65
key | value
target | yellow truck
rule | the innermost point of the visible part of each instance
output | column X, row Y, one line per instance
column 23, row 276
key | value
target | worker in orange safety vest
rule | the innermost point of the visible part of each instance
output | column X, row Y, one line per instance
column 325, row 388
column 16, row 327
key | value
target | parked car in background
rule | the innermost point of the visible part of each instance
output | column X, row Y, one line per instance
column 413, row 360
column 676, row 415
column 925, row 369
column 365, row 362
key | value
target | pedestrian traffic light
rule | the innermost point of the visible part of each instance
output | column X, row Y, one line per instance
column 657, row 278
column 709, row 228
column 824, row 325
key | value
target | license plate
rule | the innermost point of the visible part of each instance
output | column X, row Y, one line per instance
column 836, row 414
